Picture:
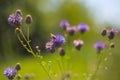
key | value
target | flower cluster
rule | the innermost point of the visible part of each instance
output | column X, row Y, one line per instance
column 11, row 72
column 56, row 42
column 82, row 27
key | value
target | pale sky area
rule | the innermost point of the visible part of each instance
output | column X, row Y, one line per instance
column 103, row 11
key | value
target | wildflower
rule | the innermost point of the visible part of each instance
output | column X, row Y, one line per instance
column 61, row 51
column 64, row 24
column 83, row 27
column 28, row 19
column 104, row 32
column 10, row 73
column 78, row 44
column 15, row 19
column 71, row 30
column 58, row 40
column 18, row 66
column 50, row 47
column 99, row 46
column 111, row 33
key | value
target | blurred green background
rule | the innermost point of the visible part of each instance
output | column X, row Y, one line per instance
column 47, row 15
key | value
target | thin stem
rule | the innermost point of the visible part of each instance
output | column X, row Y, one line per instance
column 28, row 32
column 98, row 65
column 31, row 51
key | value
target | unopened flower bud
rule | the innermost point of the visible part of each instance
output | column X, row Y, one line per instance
column 28, row 19
column 61, row 51
column 18, row 77
column 112, row 45
column 104, row 32
column 17, row 30
column 18, row 66
column 18, row 11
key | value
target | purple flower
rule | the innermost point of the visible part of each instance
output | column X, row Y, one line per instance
column 64, row 24
column 71, row 30
column 111, row 33
column 78, row 44
column 83, row 27
column 10, row 73
column 15, row 19
column 99, row 46
column 58, row 40
column 50, row 47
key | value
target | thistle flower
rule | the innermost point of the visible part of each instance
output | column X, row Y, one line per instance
column 64, row 24
column 99, row 46
column 15, row 19
column 78, row 44
column 10, row 73
column 50, row 47
column 83, row 27
column 71, row 30
column 112, row 33
column 58, row 40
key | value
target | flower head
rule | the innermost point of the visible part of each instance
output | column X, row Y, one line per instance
column 111, row 33
column 58, row 40
column 50, row 47
column 99, row 46
column 71, row 30
column 64, row 24
column 83, row 27
column 78, row 44
column 15, row 19
column 10, row 72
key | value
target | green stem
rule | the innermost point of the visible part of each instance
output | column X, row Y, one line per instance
column 28, row 33
column 98, row 65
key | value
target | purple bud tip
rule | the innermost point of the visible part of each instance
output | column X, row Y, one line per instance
column 83, row 27
column 64, row 24
column 99, row 46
